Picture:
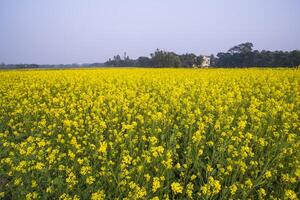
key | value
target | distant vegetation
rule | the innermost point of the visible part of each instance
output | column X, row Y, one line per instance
column 30, row 66
column 158, row 59
column 241, row 55
column 244, row 56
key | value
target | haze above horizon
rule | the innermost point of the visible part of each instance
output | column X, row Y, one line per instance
column 75, row 31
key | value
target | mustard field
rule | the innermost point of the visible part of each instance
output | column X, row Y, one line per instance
column 150, row 134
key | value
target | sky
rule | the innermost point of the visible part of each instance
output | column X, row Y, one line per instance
column 78, row 31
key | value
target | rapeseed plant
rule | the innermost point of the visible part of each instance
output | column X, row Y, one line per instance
column 150, row 134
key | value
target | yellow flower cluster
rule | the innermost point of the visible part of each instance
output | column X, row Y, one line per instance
column 212, row 188
column 150, row 134
column 176, row 188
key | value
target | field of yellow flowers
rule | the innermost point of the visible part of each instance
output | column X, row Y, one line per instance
column 150, row 134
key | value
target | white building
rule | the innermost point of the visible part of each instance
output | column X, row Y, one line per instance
column 206, row 61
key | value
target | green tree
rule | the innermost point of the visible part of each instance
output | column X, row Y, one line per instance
column 188, row 59
column 165, row 59
column 199, row 60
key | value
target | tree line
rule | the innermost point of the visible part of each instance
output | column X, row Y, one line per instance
column 159, row 58
column 241, row 55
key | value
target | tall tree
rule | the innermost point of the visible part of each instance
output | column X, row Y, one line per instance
column 188, row 59
column 165, row 59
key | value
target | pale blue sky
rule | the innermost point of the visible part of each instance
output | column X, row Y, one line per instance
column 78, row 31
